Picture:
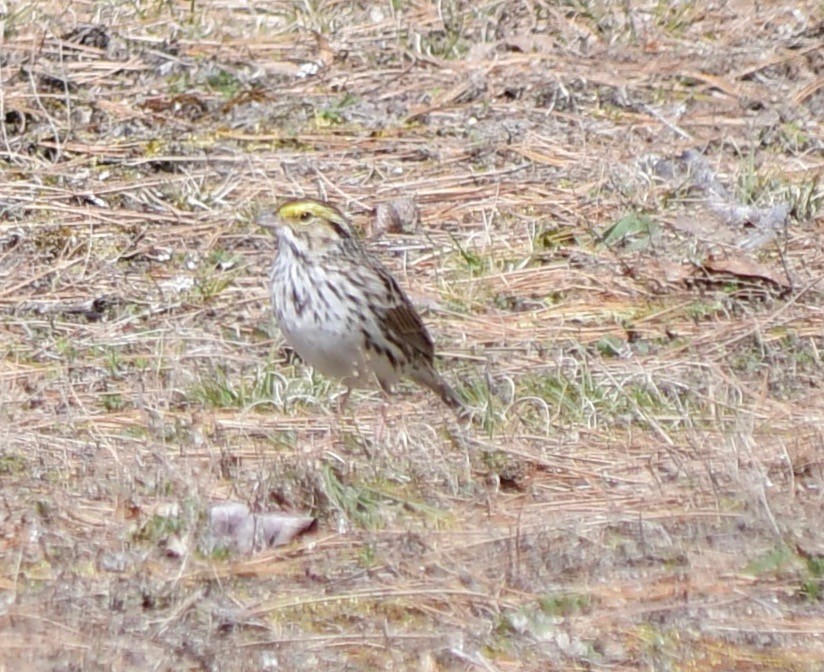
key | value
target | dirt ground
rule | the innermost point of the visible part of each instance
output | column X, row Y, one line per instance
column 619, row 254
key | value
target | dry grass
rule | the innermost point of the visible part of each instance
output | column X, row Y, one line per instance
column 645, row 488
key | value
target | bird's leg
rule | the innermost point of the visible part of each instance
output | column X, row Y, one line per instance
column 381, row 421
column 344, row 400
column 383, row 417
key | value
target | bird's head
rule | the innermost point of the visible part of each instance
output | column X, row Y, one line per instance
column 307, row 224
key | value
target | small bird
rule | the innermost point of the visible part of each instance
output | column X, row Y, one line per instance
column 340, row 308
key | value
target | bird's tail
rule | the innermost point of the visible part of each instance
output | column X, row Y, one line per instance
column 432, row 379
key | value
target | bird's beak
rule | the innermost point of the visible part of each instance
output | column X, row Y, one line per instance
column 267, row 220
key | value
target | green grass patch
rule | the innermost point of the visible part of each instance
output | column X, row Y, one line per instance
column 218, row 387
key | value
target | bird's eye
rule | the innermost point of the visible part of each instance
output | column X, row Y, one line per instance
column 304, row 216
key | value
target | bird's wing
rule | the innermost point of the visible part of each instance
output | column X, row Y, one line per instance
column 403, row 320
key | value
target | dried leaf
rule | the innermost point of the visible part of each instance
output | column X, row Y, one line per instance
column 233, row 526
column 743, row 267
column 398, row 216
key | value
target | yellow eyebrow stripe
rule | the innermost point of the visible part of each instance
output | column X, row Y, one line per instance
column 293, row 210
